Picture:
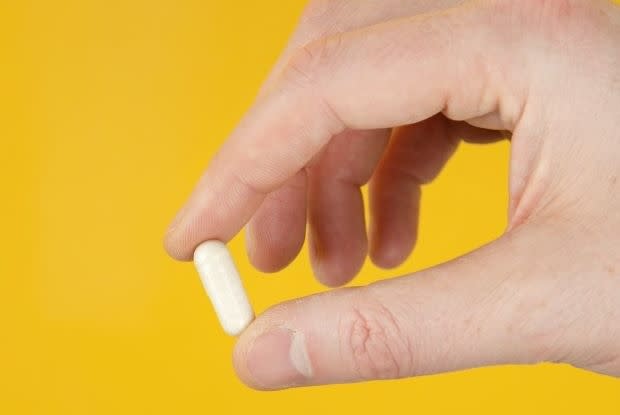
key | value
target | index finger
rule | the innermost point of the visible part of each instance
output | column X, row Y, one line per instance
column 276, row 139
column 395, row 73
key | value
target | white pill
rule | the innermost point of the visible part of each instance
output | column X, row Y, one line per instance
column 223, row 286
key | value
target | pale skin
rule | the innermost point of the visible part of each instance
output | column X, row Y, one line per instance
column 381, row 92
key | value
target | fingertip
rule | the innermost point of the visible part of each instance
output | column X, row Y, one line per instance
column 333, row 276
column 337, row 267
column 270, row 356
column 175, row 249
column 265, row 255
column 241, row 350
column 239, row 361
column 276, row 233
column 392, row 243
column 388, row 256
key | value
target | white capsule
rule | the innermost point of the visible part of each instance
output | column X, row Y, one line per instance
column 223, row 285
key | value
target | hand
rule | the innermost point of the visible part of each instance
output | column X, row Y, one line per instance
column 382, row 91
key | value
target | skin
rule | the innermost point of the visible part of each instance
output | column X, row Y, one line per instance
column 381, row 92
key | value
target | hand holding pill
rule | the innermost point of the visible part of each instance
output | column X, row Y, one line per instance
column 382, row 93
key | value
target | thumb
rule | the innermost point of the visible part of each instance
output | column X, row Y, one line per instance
column 482, row 309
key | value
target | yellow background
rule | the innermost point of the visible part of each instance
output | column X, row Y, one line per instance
column 109, row 110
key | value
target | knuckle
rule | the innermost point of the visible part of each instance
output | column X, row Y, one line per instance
column 552, row 17
column 372, row 341
column 314, row 16
column 534, row 8
column 323, row 17
column 310, row 61
column 609, row 365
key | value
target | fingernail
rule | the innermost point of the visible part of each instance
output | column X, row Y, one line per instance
column 279, row 358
